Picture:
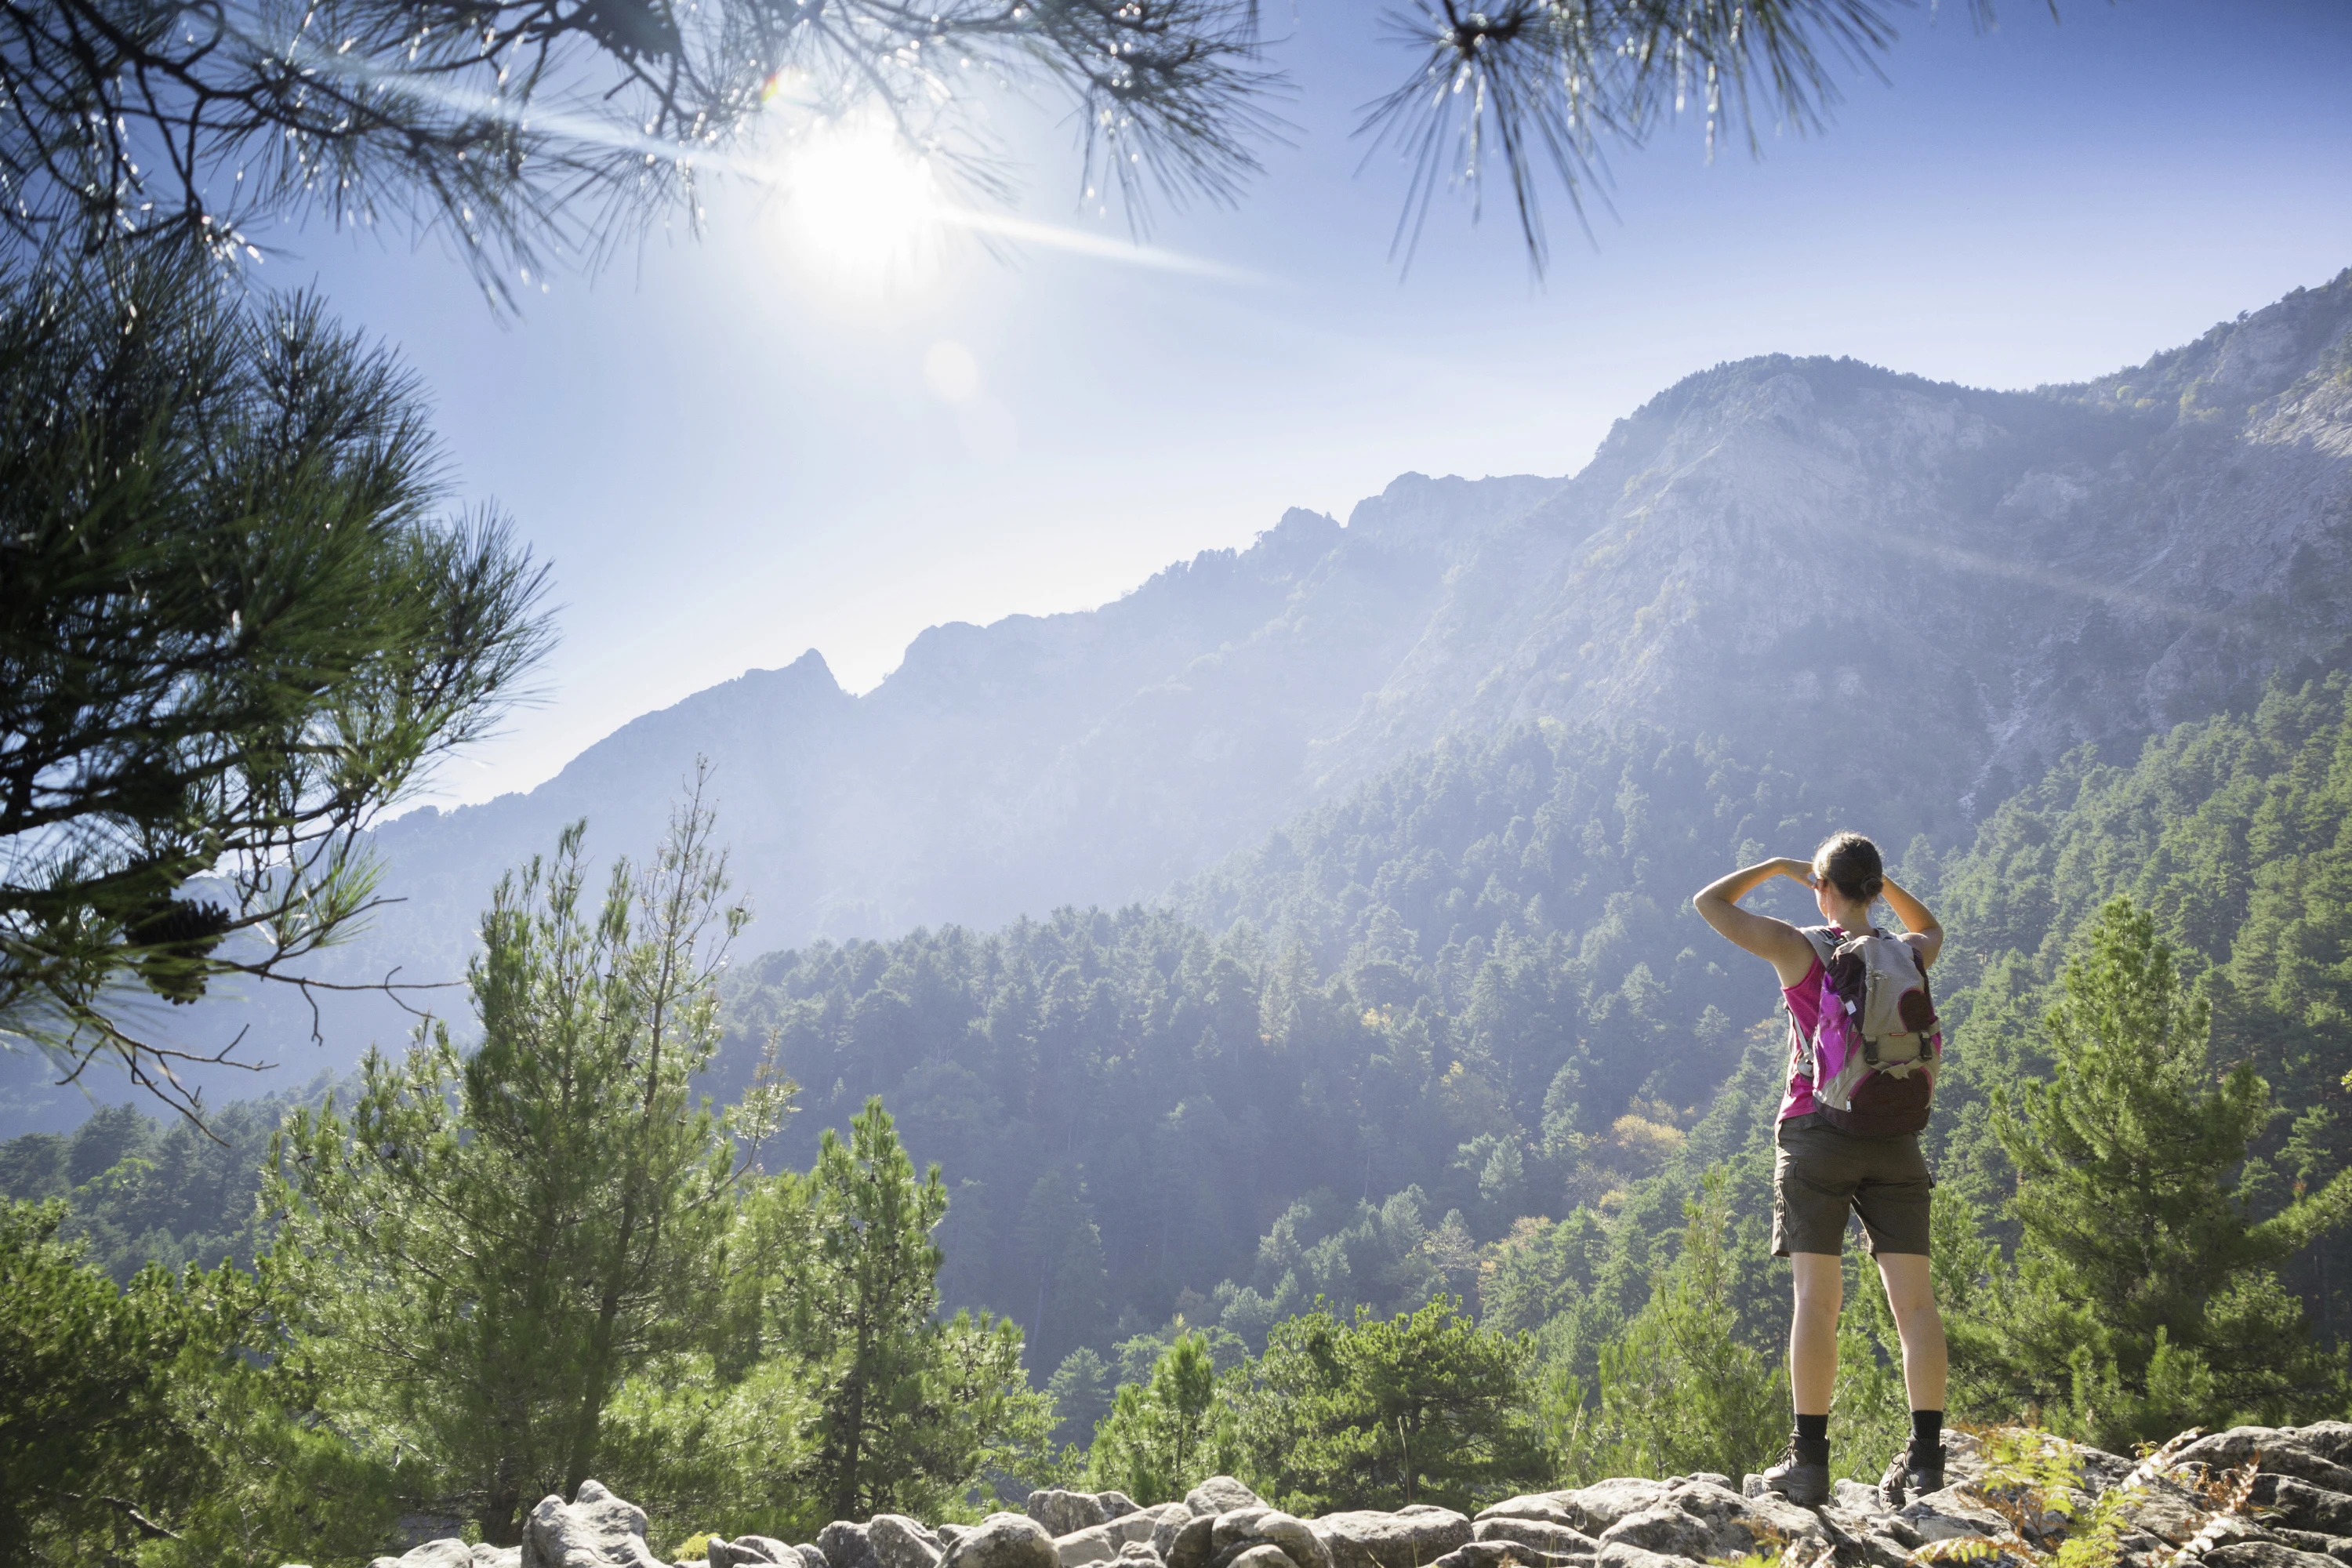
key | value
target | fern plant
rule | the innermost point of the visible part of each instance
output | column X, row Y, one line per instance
column 2034, row 1482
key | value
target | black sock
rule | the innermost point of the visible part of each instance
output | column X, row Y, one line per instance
column 1926, row 1432
column 1816, row 1428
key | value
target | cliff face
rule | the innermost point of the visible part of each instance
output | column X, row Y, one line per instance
column 1917, row 594
column 1916, row 585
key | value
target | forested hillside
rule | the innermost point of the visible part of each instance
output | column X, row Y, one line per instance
column 2236, row 834
column 1476, row 982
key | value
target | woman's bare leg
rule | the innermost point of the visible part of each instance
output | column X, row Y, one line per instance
column 1911, row 1294
column 1813, row 1329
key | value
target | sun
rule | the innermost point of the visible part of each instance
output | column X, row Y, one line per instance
column 856, row 201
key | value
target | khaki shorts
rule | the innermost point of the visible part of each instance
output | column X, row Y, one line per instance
column 1820, row 1176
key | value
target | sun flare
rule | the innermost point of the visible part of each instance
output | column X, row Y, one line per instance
column 857, row 201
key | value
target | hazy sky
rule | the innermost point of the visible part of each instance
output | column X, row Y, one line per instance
column 737, row 449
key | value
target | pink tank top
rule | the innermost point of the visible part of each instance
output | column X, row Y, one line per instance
column 1804, row 999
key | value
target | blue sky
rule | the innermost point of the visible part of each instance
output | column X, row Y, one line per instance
column 741, row 448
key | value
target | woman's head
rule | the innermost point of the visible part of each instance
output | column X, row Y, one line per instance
column 1847, row 865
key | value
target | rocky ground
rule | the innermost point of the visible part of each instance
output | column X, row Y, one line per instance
column 2252, row 1497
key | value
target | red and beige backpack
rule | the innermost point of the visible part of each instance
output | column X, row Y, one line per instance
column 1877, row 1034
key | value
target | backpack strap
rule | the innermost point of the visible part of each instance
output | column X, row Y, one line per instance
column 1824, row 948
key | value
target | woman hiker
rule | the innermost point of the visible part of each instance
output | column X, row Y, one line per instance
column 1835, row 1152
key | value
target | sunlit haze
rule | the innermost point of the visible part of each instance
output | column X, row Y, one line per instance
column 860, row 404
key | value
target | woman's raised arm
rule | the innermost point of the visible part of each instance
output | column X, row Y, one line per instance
column 1776, row 941
column 1918, row 923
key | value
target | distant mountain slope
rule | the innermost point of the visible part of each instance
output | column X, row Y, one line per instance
column 1914, row 595
column 1090, row 756
column 1923, row 584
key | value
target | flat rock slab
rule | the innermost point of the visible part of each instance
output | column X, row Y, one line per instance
column 1549, row 1508
column 2302, row 1505
column 2320, row 1453
column 1539, row 1533
column 2265, row 1554
column 1664, row 1531
column 1603, row 1504
column 1857, row 1498
column 1411, row 1539
column 1946, row 1514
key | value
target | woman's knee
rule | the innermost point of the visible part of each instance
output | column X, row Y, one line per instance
column 1819, row 1281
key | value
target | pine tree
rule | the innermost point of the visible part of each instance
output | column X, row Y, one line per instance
column 1425, row 1407
column 157, row 1424
column 494, row 1242
column 2145, row 1279
column 1081, row 1395
column 233, row 633
column 913, row 1408
column 1156, row 1443
column 1677, row 1390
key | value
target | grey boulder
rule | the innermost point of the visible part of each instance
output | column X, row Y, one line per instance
column 1221, row 1494
column 844, row 1545
column 1856, row 1496
column 1603, row 1504
column 1003, row 1541
column 1116, row 1505
column 1143, row 1524
column 751, row 1549
column 1188, row 1544
column 1625, row 1555
column 1067, row 1512
column 1738, row 1524
column 1264, row 1555
column 899, row 1542
column 1406, row 1540
column 1665, row 1530
column 1238, row 1535
column 1504, row 1554
column 1538, row 1534
column 1550, row 1508
column 447, row 1553
column 1095, row 1544
column 1948, row 1514
column 595, row 1529
column 2265, row 1554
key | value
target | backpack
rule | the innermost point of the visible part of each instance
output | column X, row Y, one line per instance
column 1876, row 1036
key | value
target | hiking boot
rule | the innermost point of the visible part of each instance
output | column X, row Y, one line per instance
column 1802, row 1476
column 1910, row 1474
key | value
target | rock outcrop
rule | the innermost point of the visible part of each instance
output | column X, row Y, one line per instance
column 2252, row 1497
